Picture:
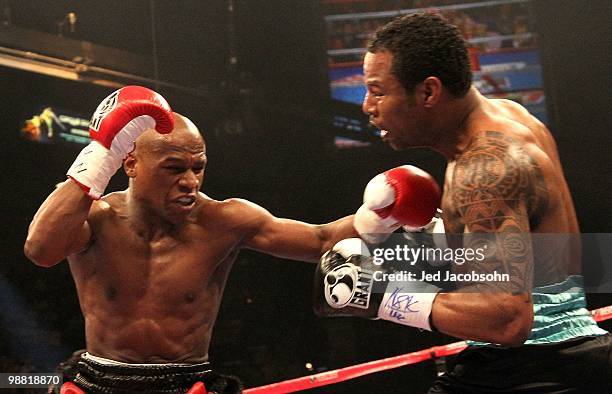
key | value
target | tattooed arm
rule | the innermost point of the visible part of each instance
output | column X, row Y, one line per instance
column 495, row 191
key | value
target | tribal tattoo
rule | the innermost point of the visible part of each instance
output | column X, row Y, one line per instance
column 498, row 193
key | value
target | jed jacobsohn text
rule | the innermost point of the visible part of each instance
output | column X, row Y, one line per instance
column 446, row 276
column 411, row 255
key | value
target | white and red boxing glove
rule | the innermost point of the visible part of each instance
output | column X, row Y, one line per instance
column 403, row 196
column 117, row 122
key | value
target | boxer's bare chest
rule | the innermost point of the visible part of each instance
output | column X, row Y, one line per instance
column 180, row 266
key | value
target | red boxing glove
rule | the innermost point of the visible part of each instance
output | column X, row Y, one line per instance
column 197, row 388
column 70, row 388
column 402, row 196
column 117, row 122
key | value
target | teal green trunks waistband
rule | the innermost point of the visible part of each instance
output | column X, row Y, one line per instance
column 560, row 314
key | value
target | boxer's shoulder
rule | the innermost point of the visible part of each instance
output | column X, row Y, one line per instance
column 503, row 165
column 513, row 121
column 108, row 207
column 226, row 213
column 240, row 214
column 506, row 140
column 238, row 209
column 512, row 147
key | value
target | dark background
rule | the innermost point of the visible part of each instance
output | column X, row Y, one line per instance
column 283, row 158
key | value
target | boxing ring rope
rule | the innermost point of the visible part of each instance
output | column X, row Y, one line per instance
column 355, row 371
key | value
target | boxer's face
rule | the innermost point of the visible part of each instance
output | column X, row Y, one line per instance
column 390, row 108
column 168, row 173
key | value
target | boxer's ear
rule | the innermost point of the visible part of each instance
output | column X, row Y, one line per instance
column 429, row 91
column 129, row 165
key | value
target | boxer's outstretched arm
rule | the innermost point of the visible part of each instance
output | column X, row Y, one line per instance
column 496, row 187
column 288, row 238
column 60, row 226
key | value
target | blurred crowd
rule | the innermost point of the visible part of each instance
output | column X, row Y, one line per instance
column 489, row 28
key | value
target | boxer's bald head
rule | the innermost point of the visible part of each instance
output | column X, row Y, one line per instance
column 184, row 136
column 167, row 170
column 184, row 143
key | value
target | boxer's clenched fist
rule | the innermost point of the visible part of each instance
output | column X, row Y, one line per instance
column 344, row 285
column 402, row 196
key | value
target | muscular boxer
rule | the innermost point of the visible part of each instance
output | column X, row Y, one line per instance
column 150, row 263
column 504, row 185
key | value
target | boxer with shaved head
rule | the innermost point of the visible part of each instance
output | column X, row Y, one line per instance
column 150, row 263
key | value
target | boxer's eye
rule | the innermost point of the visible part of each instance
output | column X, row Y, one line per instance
column 175, row 169
column 374, row 92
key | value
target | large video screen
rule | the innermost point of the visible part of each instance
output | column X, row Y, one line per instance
column 503, row 45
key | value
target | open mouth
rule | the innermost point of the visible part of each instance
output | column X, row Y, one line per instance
column 383, row 132
column 185, row 201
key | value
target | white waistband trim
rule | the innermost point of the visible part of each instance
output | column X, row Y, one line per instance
column 107, row 361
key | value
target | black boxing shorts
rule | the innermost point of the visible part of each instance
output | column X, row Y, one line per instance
column 580, row 365
column 98, row 375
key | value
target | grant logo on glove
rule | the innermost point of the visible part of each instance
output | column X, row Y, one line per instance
column 344, row 286
column 349, row 285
